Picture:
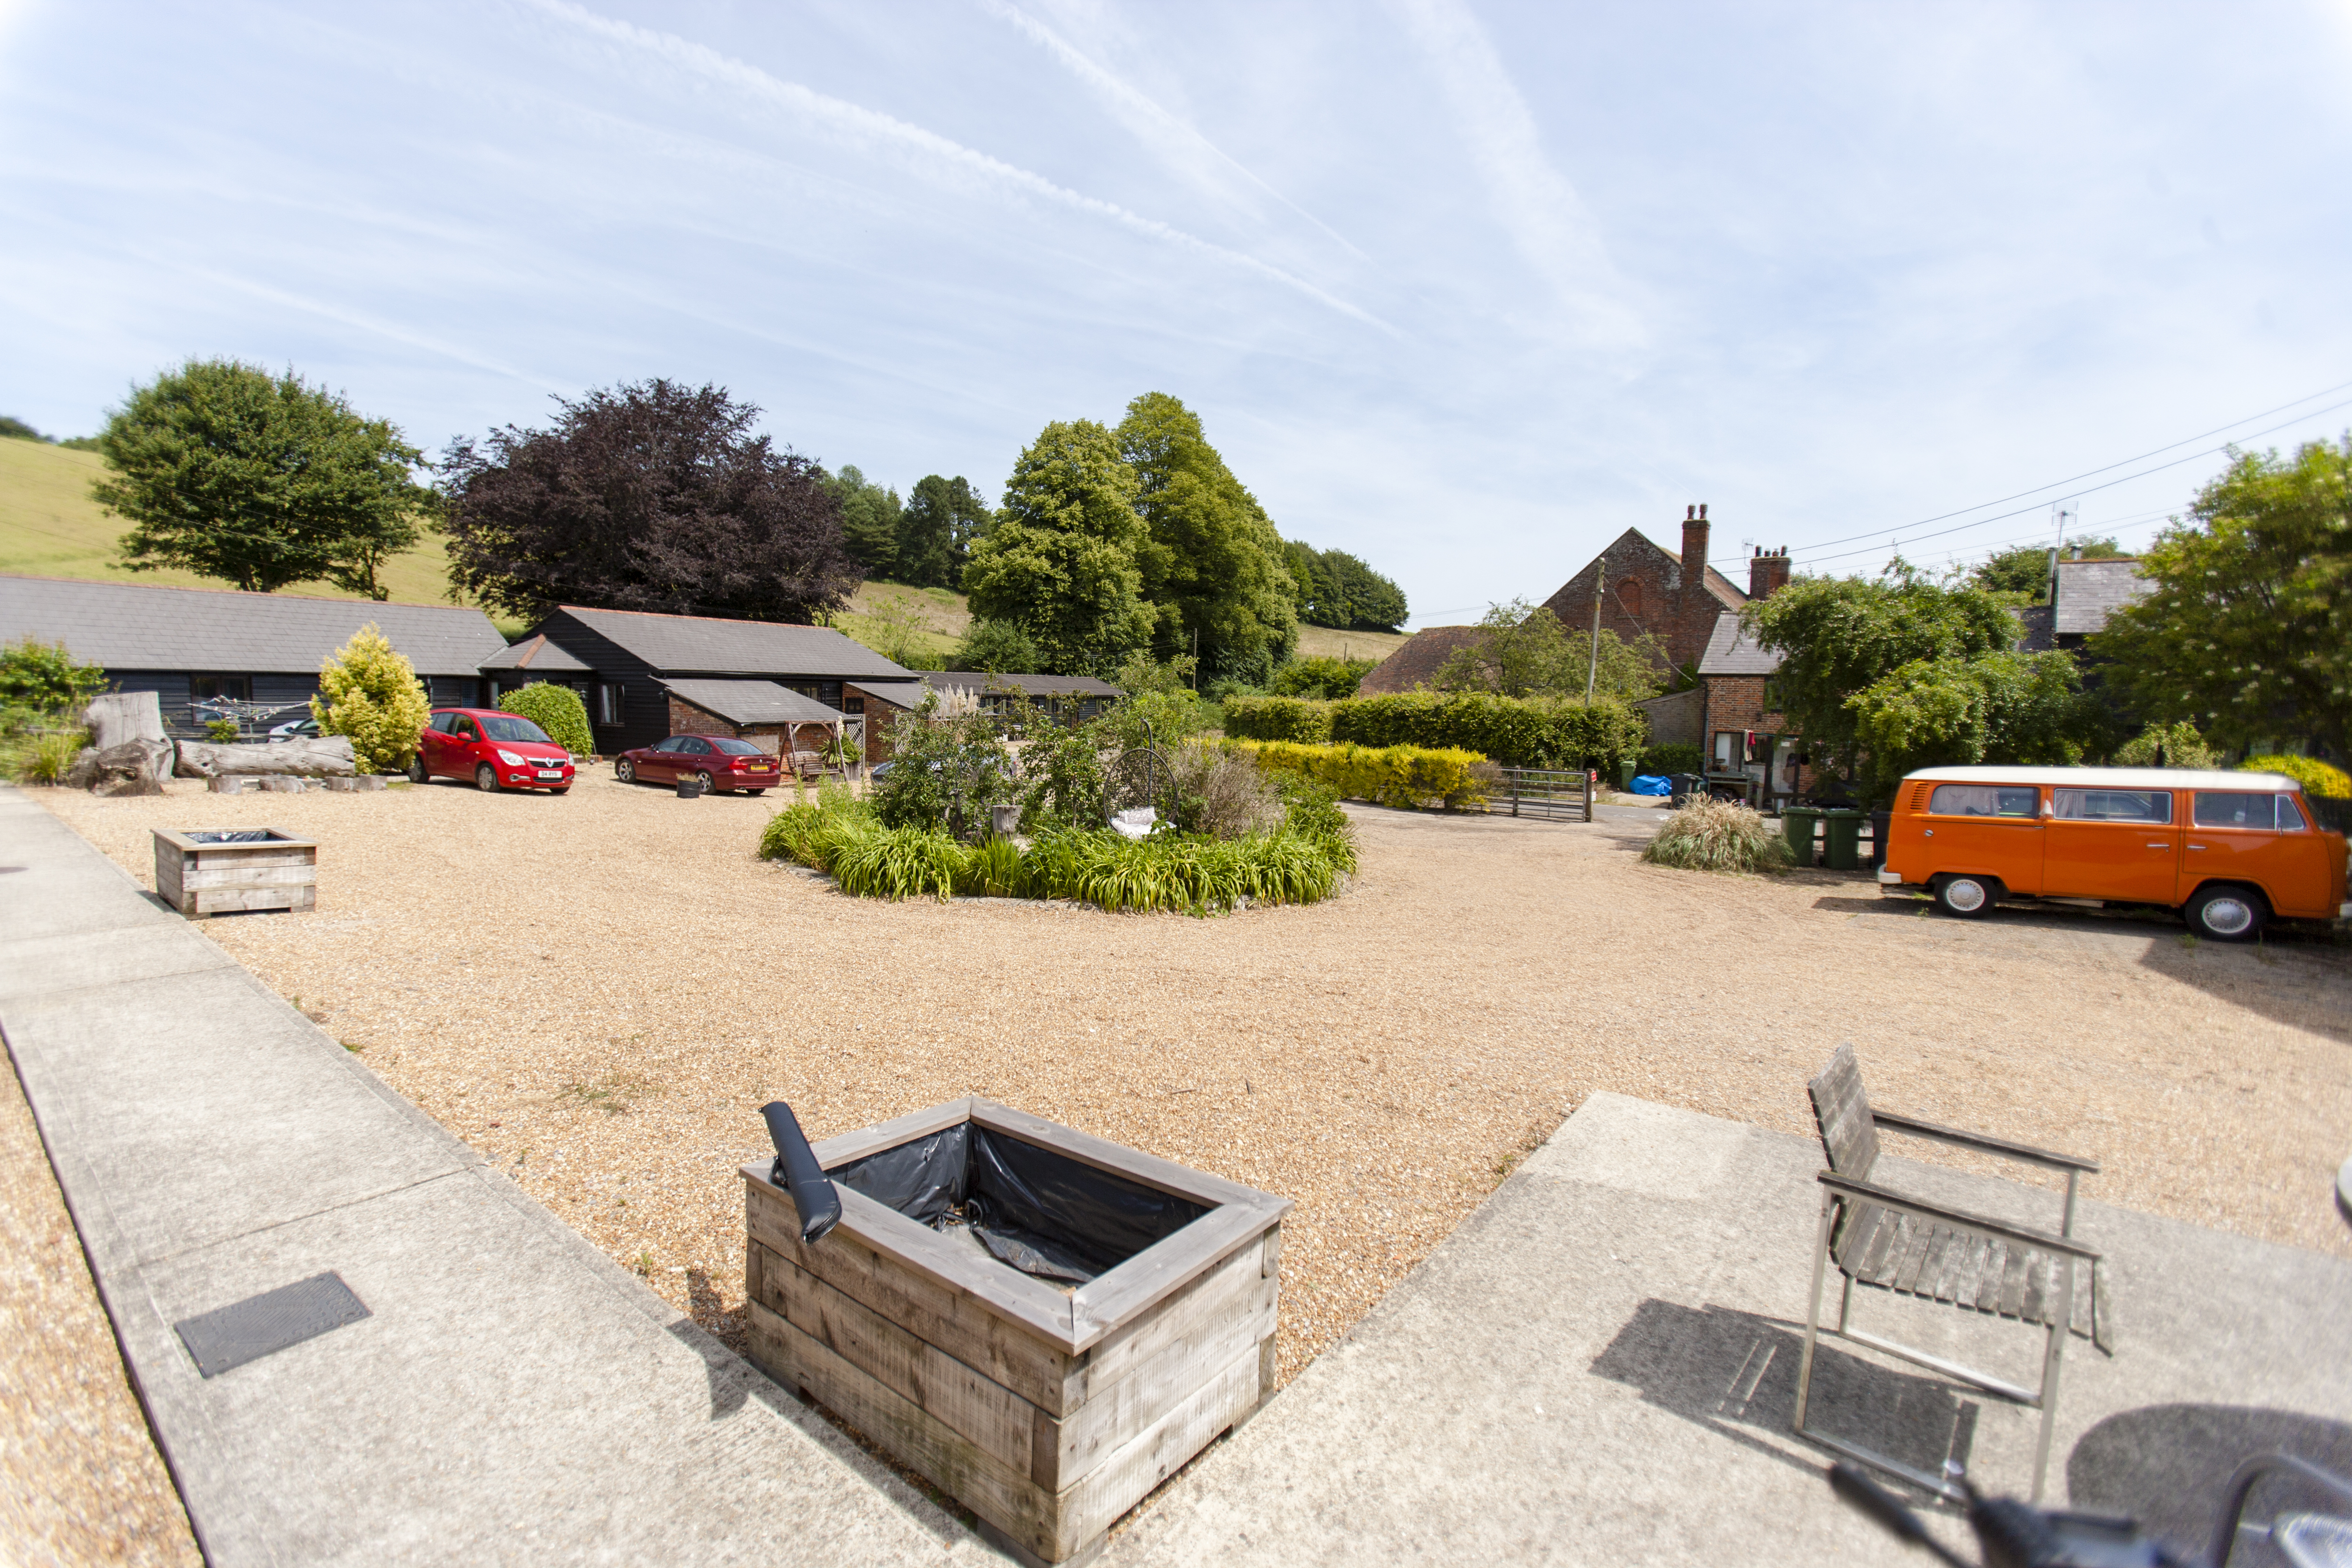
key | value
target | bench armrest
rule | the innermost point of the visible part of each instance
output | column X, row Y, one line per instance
column 1845, row 1187
column 2001, row 1146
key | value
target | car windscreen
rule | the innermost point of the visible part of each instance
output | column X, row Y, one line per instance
column 735, row 748
column 507, row 727
column 1984, row 800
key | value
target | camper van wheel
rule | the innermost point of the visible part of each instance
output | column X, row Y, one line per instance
column 1967, row 897
column 2227, row 913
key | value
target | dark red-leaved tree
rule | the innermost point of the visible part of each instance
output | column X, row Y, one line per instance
column 645, row 497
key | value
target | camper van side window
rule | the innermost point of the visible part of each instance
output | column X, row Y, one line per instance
column 2149, row 805
column 1984, row 800
column 2235, row 810
column 2290, row 812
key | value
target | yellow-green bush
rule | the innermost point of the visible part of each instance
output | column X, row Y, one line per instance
column 2315, row 777
column 1407, row 776
column 369, row 691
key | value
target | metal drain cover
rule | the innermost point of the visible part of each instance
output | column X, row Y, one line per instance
column 258, row 1326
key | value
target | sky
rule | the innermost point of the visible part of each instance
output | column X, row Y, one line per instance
column 1464, row 289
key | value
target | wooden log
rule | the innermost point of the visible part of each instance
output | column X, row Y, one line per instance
column 132, row 767
column 328, row 754
column 231, row 784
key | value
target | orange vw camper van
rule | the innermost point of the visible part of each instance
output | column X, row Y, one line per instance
column 2228, row 850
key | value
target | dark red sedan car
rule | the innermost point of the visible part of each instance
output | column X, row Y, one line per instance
column 497, row 751
column 723, row 763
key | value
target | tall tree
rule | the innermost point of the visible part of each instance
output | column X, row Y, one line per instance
column 1213, row 569
column 935, row 530
column 1335, row 589
column 2026, row 569
column 2004, row 707
column 2248, row 626
column 1523, row 652
column 1838, row 635
column 1060, row 561
column 260, row 481
column 648, row 497
column 869, row 521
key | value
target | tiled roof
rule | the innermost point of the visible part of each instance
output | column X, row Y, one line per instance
column 754, row 703
column 897, row 693
column 1733, row 650
column 2091, row 591
column 538, row 655
column 130, row 625
column 1035, row 685
column 1415, row 663
column 740, row 647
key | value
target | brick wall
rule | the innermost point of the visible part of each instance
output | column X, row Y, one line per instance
column 1647, row 590
column 878, row 715
column 686, row 718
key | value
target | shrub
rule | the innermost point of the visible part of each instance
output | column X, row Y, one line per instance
column 1278, row 719
column 2316, row 778
column 50, row 757
column 1221, row 792
column 990, row 870
column 2180, row 745
column 1520, row 733
column 46, row 676
column 556, row 710
column 944, row 770
column 222, row 732
column 1330, row 679
column 1402, row 776
column 896, row 863
column 369, row 691
column 1674, row 757
column 1718, row 836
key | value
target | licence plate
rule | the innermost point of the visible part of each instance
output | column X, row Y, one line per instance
column 550, row 772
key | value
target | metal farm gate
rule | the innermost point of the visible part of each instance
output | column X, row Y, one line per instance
column 1560, row 795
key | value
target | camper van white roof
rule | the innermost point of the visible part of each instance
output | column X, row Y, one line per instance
column 2111, row 778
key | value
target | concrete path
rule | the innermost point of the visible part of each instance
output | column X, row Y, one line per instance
column 1600, row 1365
column 513, row 1396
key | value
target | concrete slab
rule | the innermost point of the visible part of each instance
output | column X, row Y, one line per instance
column 1600, row 1366
column 513, row 1396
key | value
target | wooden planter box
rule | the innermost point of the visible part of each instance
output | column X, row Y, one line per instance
column 211, row 870
column 1049, row 1412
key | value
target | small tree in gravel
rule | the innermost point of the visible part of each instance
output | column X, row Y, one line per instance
column 556, row 710
column 369, row 691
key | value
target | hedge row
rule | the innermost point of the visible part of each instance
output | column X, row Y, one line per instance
column 1520, row 733
column 1406, row 776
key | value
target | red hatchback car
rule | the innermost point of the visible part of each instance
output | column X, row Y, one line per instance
column 723, row 763
column 497, row 751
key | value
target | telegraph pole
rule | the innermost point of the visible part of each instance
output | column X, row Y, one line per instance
column 1600, row 586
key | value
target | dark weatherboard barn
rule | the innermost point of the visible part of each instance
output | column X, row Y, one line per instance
column 189, row 643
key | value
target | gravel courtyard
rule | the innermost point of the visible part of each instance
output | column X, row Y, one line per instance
column 598, row 991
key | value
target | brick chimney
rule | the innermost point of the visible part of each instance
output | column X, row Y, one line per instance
column 1767, row 572
column 1694, row 532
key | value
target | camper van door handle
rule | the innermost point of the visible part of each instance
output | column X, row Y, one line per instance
column 2159, row 846
column 2196, row 846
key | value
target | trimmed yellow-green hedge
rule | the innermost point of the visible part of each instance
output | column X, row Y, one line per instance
column 1406, row 776
column 2316, row 778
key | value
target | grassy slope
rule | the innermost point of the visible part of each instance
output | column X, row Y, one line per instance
column 49, row 527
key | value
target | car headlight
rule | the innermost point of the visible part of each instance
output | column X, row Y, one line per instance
column 510, row 759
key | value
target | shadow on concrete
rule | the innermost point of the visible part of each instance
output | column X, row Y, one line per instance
column 1736, row 1374
column 2167, row 1466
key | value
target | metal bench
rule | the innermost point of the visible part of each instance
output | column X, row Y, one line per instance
column 1878, row 1237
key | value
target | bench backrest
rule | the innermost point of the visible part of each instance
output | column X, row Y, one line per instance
column 1842, row 1111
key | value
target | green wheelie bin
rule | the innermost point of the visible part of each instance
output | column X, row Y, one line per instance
column 1797, row 821
column 1842, row 840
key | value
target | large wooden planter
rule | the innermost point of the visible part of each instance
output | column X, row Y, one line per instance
column 210, row 871
column 1047, row 1410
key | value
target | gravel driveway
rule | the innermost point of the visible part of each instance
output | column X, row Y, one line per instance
column 598, row 991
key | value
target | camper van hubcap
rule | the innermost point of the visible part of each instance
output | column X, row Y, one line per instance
column 1965, row 895
column 2228, row 917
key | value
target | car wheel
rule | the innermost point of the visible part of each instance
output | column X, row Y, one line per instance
column 1970, row 898
column 2227, row 913
column 625, row 771
column 486, row 779
column 710, row 785
column 417, row 773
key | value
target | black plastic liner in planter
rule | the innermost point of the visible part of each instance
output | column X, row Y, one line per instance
column 234, row 836
column 1039, row 1211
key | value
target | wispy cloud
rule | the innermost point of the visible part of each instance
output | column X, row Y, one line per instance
column 1179, row 147
column 936, row 156
column 1548, row 222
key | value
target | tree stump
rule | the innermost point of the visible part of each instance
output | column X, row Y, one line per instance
column 134, row 767
column 328, row 755
column 116, row 717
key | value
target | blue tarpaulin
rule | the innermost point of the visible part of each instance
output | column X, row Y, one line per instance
column 1651, row 784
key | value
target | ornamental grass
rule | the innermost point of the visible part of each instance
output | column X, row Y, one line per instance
column 1718, row 836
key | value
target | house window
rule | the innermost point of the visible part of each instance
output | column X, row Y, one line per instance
column 612, row 701
column 1773, row 695
column 207, row 687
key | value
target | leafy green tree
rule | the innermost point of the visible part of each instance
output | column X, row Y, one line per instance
column 1522, row 650
column 1214, row 567
column 1839, row 636
column 1061, row 560
column 2247, row 628
column 15, row 428
column 998, row 647
column 2167, row 746
column 2026, row 569
column 556, row 710
column 46, row 676
column 369, row 691
column 2004, row 707
column 260, row 481
column 1322, row 679
column 869, row 520
column 941, row 519
column 1334, row 589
